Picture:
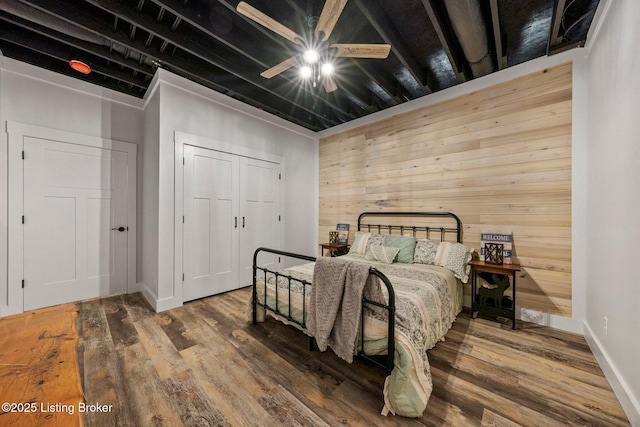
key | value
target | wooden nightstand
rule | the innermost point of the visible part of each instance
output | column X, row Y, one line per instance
column 488, row 301
column 335, row 249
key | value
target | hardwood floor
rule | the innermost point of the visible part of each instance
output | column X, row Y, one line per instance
column 201, row 364
column 39, row 379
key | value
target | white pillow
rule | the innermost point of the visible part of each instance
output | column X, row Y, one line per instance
column 359, row 245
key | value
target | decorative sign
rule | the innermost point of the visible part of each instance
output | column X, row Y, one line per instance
column 505, row 238
column 494, row 253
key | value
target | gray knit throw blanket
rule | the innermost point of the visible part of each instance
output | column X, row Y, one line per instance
column 336, row 303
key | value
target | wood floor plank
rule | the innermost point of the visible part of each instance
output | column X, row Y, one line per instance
column 104, row 383
column 349, row 391
column 92, row 322
column 441, row 412
column 288, row 410
column 120, row 326
column 161, row 352
column 235, row 403
column 502, row 405
column 196, row 408
column 175, row 329
column 148, row 398
column 491, row 419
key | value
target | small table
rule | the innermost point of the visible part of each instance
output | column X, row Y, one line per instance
column 497, row 309
column 335, row 249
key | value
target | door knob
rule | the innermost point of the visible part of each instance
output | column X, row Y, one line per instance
column 120, row 229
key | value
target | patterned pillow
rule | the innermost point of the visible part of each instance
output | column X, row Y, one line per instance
column 359, row 245
column 382, row 253
column 425, row 252
column 406, row 244
column 455, row 257
column 375, row 239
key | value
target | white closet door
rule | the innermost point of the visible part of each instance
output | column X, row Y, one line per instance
column 260, row 211
column 73, row 196
column 211, row 222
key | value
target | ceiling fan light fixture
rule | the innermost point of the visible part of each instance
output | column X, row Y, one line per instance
column 80, row 66
column 306, row 72
column 326, row 69
column 311, row 56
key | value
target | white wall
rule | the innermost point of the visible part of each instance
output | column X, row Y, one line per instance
column 613, row 156
column 42, row 98
column 148, row 208
column 192, row 109
column 4, row 208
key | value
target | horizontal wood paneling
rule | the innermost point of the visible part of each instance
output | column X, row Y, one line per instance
column 500, row 158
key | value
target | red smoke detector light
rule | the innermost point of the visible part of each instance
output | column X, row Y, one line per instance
column 80, row 66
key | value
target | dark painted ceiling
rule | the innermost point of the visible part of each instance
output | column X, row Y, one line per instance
column 435, row 44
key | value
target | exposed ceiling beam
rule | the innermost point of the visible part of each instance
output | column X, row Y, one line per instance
column 390, row 35
column 554, row 36
column 376, row 80
column 233, row 41
column 439, row 21
column 501, row 58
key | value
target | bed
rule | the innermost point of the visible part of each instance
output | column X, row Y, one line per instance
column 418, row 288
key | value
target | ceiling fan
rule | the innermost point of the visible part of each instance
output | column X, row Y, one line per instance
column 311, row 56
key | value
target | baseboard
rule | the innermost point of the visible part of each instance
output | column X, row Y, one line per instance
column 566, row 324
column 158, row 304
column 629, row 403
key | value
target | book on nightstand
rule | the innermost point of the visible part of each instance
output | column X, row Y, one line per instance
column 343, row 233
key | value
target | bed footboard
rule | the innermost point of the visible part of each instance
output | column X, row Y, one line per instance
column 261, row 273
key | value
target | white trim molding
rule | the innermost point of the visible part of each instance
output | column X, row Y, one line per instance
column 621, row 389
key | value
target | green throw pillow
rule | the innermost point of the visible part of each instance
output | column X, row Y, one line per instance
column 405, row 244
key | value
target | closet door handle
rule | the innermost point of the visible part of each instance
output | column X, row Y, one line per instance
column 242, row 222
column 235, row 219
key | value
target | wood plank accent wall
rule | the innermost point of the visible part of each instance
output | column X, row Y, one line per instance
column 499, row 158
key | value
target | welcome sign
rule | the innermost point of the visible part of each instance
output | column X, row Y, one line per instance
column 504, row 238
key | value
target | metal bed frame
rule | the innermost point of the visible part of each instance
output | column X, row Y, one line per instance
column 385, row 362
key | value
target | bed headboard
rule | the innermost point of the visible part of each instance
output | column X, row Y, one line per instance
column 417, row 224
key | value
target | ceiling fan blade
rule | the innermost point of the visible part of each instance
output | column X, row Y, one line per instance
column 375, row 51
column 266, row 21
column 329, row 84
column 277, row 69
column 329, row 16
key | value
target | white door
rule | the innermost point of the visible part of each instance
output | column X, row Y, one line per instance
column 211, row 222
column 260, row 211
column 74, row 196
